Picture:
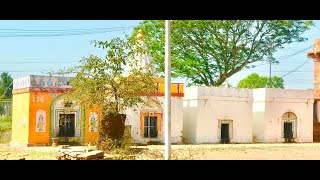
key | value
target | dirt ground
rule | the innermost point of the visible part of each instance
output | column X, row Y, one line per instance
column 29, row 153
column 293, row 151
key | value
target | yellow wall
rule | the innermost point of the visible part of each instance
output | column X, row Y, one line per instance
column 174, row 88
column 40, row 101
column 158, row 80
column 20, row 118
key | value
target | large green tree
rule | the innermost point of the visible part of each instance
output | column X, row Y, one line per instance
column 256, row 81
column 6, row 86
column 207, row 52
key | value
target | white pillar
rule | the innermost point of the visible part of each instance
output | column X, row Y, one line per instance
column 167, row 92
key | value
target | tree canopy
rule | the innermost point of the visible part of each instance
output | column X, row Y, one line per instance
column 6, row 86
column 111, row 85
column 256, row 81
column 208, row 52
column 105, row 84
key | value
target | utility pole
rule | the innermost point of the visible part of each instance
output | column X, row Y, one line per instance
column 270, row 73
column 167, row 93
column 270, row 61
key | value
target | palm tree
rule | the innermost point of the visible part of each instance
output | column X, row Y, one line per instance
column 6, row 86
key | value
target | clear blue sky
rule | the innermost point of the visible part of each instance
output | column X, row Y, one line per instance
column 64, row 51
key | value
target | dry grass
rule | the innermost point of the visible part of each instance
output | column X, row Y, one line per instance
column 29, row 153
column 295, row 151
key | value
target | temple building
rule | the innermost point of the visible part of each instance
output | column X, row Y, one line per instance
column 230, row 115
column 41, row 113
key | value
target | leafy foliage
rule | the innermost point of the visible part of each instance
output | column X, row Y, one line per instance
column 256, row 81
column 5, row 125
column 6, row 86
column 104, row 84
column 208, row 52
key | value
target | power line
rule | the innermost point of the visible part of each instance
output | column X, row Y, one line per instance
column 257, row 66
column 287, row 62
column 306, row 79
column 291, row 55
column 275, row 71
column 59, row 34
column 295, row 69
column 55, row 35
column 34, row 62
column 62, row 30
column 21, row 71
column 23, row 57
column 298, row 83
column 286, row 57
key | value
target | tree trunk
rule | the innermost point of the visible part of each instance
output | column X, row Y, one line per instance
column 112, row 126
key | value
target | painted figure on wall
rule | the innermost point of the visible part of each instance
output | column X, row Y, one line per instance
column 93, row 122
column 41, row 121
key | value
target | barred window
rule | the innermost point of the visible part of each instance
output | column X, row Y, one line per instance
column 150, row 126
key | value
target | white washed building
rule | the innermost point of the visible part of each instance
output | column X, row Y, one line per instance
column 219, row 114
column 212, row 114
column 278, row 112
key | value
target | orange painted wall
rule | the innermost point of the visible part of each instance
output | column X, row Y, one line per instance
column 40, row 101
column 90, row 136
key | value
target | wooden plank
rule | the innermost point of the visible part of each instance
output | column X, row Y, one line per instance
column 63, row 146
column 91, row 155
column 77, row 149
column 75, row 154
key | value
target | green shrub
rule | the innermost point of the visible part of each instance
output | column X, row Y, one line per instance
column 5, row 127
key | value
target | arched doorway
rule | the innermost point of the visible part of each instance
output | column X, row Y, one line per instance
column 151, row 120
column 289, row 126
column 66, row 119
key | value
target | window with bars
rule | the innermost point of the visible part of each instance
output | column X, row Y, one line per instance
column 150, row 126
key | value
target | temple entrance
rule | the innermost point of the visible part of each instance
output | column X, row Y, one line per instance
column 225, row 138
column 289, row 127
column 67, row 125
column 288, row 133
column 151, row 122
column 66, row 121
column 225, row 131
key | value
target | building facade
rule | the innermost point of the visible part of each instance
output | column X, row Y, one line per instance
column 228, row 115
column 40, row 113
column 216, row 114
column 282, row 115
